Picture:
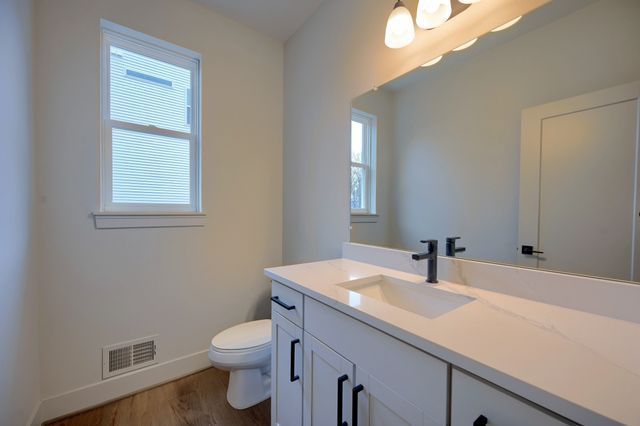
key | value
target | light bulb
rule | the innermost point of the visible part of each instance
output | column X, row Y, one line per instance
column 468, row 1
column 507, row 25
column 432, row 13
column 431, row 6
column 400, row 31
column 432, row 62
column 465, row 45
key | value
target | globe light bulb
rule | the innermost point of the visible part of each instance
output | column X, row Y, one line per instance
column 400, row 31
column 432, row 13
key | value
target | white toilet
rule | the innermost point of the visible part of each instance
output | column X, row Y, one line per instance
column 245, row 351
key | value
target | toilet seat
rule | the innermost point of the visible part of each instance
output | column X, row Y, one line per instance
column 253, row 334
column 246, row 345
column 240, row 359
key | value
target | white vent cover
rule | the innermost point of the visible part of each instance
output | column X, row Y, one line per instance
column 128, row 356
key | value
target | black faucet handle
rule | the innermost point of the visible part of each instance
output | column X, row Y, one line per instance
column 451, row 247
column 432, row 245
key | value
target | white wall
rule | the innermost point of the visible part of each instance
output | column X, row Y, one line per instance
column 338, row 54
column 19, row 361
column 186, row 284
column 375, row 230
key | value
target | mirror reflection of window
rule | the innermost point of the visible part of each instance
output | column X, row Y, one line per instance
column 363, row 176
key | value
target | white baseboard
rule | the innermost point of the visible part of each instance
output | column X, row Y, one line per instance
column 34, row 418
column 118, row 387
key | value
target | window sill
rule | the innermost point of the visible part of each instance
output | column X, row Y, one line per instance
column 364, row 218
column 117, row 220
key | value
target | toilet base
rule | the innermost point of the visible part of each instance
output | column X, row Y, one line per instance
column 248, row 387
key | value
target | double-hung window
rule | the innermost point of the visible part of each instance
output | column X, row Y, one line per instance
column 363, row 163
column 150, row 159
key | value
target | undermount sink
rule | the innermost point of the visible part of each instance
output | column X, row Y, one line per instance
column 420, row 298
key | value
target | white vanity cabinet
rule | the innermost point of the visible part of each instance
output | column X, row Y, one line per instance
column 329, row 368
column 349, row 370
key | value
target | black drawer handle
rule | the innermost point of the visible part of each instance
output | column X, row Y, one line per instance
column 481, row 421
column 354, row 404
column 341, row 381
column 277, row 300
column 292, row 376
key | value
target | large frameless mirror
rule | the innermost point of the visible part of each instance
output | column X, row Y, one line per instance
column 524, row 145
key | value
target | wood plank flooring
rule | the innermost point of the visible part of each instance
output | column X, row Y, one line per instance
column 196, row 400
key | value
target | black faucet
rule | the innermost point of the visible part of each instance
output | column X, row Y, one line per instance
column 451, row 247
column 432, row 259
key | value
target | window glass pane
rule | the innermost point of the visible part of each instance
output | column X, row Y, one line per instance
column 356, row 142
column 150, row 168
column 357, row 188
column 149, row 92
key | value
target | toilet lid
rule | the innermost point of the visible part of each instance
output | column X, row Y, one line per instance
column 244, row 336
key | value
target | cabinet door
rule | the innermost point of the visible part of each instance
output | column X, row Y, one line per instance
column 375, row 404
column 286, row 372
column 412, row 377
column 328, row 380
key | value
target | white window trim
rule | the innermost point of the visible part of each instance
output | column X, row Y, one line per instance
column 148, row 220
column 370, row 129
column 115, row 215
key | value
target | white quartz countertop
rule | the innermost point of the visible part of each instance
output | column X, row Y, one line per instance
column 580, row 365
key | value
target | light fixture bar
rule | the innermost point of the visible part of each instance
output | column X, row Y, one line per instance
column 506, row 25
column 465, row 45
column 432, row 62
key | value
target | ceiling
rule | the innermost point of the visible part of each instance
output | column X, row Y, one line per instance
column 276, row 18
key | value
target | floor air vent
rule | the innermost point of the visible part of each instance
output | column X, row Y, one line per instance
column 128, row 356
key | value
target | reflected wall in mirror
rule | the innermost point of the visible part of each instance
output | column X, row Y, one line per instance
column 525, row 142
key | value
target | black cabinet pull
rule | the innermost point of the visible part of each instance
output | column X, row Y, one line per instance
column 354, row 404
column 481, row 421
column 292, row 376
column 277, row 300
column 341, row 381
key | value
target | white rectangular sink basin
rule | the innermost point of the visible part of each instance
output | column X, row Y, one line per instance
column 420, row 298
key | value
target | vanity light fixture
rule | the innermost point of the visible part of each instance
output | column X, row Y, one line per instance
column 400, row 31
column 432, row 62
column 432, row 13
column 465, row 45
column 506, row 25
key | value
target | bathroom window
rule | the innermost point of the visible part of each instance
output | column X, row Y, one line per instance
column 363, row 163
column 150, row 124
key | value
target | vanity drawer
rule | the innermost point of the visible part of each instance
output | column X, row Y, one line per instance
column 472, row 398
column 287, row 302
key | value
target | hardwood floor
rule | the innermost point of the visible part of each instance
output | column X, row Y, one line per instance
column 198, row 400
